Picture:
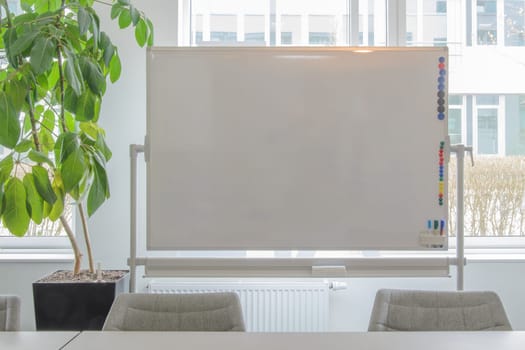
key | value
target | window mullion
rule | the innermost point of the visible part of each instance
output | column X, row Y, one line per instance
column 353, row 25
column 396, row 23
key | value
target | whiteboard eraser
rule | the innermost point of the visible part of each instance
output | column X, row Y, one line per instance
column 332, row 270
column 428, row 239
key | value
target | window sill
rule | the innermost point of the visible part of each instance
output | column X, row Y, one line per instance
column 36, row 256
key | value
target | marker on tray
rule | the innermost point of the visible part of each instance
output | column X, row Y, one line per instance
column 442, row 227
column 436, row 226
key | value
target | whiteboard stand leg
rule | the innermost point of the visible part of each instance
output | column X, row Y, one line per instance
column 134, row 150
column 460, row 234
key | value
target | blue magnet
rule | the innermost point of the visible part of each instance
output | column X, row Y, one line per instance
column 441, row 59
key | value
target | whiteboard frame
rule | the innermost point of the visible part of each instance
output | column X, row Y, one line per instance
column 441, row 50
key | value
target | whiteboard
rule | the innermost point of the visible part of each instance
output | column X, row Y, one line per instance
column 294, row 148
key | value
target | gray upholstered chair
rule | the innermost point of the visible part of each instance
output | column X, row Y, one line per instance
column 9, row 313
column 175, row 312
column 416, row 310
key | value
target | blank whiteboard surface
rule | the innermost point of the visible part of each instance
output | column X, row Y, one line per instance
column 293, row 148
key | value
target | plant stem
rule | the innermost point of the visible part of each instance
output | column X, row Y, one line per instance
column 62, row 90
column 34, row 132
column 86, row 237
column 74, row 245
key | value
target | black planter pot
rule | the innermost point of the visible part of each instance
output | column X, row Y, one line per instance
column 75, row 305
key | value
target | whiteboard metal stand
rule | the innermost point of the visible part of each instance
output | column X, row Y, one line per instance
column 133, row 261
column 134, row 150
column 460, row 248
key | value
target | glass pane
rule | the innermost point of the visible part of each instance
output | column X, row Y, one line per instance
column 372, row 23
column 454, row 125
column 487, row 22
column 311, row 22
column 514, row 22
column 426, row 23
column 487, row 131
column 487, row 100
column 270, row 22
column 455, row 100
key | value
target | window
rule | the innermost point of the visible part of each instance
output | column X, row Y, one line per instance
column 426, row 21
column 486, row 22
column 48, row 234
column 486, row 50
column 514, row 22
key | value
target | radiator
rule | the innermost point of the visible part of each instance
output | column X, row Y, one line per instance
column 267, row 307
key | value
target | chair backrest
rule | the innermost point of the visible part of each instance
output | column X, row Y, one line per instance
column 9, row 313
column 175, row 312
column 416, row 310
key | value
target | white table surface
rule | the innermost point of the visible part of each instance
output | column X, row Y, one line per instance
column 300, row 341
column 35, row 340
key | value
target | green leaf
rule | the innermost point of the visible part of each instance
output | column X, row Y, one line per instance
column 16, row 217
column 141, row 33
column 10, row 37
column 1, row 201
column 6, row 166
column 43, row 185
column 115, row 68
column 70, row 100
column 116, row 9
column 39, row 157
column 107, row 46
column 58, row 207
column 86, row 107
column 35, row 202
column 53, row 75
column 66, row 144
column 47, row 142
column 124, row 19
column 95, row 28
column 70, row 121
column 42, row 54
column 84, row 20
column 24, row 146
column 26, row 4
column 73, row 169
column 73, row 74
column 93, row 76
column 150, row 32
column 22, row 43
column 48, row 120
column 103, row 147
column 9, row 123
column 17, row 92
column 123, row 2
column 90, row 130
column 135, row 14
column 99, row 190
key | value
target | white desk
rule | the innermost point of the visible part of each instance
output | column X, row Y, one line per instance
column 35, row 340
column 302, row 341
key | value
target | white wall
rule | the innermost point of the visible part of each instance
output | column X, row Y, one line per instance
column 123, row 113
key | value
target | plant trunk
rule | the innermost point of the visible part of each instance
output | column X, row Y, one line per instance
column 74, row 245
column 86, row 237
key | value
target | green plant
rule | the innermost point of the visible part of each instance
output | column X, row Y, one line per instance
column 54, row 71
